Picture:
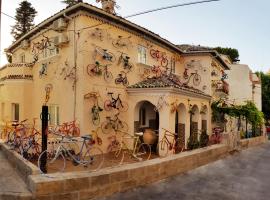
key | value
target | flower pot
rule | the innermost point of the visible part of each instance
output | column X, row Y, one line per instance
column 149, row 136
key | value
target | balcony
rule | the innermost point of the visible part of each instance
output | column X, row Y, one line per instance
column 220, row 87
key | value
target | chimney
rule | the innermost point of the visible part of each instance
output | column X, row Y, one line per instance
column 108, row 6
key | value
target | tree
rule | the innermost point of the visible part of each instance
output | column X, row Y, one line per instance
column 71, row 2
column 265, row 81
column 232, row 53
column 25, row 15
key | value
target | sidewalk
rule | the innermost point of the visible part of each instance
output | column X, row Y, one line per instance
column 11, row 184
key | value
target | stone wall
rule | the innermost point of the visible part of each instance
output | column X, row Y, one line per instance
column 88, row 185
column 251, row 142
column 23, row 166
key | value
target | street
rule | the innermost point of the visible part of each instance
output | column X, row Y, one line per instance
column 243, row 175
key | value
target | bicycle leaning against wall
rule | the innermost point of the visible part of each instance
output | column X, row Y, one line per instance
column 88, row 156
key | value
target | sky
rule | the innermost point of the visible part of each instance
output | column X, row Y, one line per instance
column 240, row 24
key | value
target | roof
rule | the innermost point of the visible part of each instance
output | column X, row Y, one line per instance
column 99, row 13
column 166, row 81
column 198, row 49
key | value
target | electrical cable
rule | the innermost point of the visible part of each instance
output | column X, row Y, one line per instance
column 168, row 7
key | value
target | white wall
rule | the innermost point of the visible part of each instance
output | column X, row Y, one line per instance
column 240, row 83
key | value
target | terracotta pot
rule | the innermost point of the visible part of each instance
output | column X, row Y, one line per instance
column 149, row 136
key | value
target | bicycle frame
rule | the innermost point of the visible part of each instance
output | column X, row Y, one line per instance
column 64, row 151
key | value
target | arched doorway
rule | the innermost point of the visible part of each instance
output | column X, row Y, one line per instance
column 145, row 117
column 194, row 121
column 180, row 123
column 204, row 114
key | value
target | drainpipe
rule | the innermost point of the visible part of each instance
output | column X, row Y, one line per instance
column 75, row 64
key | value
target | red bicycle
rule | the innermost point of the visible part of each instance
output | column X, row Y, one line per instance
column 159, row 56
column 115, row 103
column 69, row 128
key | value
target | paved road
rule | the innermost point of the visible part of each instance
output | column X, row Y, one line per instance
column 242, row 176
column 11, row 184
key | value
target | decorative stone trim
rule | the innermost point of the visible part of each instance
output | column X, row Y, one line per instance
column 19, row 65
column 16, row 77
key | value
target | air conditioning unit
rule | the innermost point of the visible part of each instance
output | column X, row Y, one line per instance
column 25, row 44
column 59, row 24
column 60, row 40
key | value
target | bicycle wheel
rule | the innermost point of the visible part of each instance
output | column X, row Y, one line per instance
column 111, row 57
column 118, row 81
column 93, row 70
column 53, row 164
column 95, row 119
column 114, row 154
column 163, row 148
column 122, row 106
column 128, row 66
column 115, row 43
column 179, row 146
column 121, row 126
column 125, row 82
column 108, row 76
column 93, row 158
column 143, row 152
column 196, row 79
column 164, row 62
column 153, row 53
column 107, row 128
column 108, row 105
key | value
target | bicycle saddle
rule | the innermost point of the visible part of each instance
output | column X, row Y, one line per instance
column 87, row 137
column 110, row 92
column 139, row 134
column 15, row 125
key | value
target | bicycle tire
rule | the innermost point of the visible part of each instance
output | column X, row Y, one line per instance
column 93, row 158
column 52, row 165
column 115, row 155
column 163, row 147
column 125, row 82
column 115, row 43
column 179, row 146
column 108, row 76
column 113, row 58
column 92, row 71
column 121, row 126
column 129, row 66
column 196, row 79
column 164, row 62
column 118, row 81
column 122, row 106
column 108, row 105
column 107, row 128
column 95, row 119
column 144, row 152
column 153, row 53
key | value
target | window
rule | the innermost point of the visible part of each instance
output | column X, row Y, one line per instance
column 22, row 58
column 141, row 54
column 54, row 115
column 50, row 52
column 142, row 116
column 15, row 111
column 173, row 65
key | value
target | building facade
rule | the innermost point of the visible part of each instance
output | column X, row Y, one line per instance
column 90, row 57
